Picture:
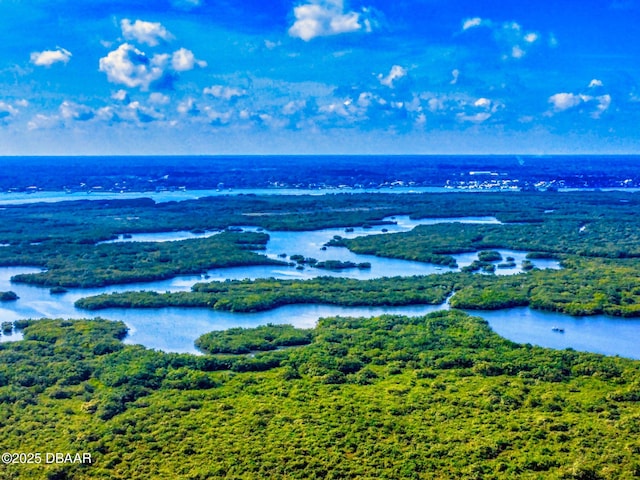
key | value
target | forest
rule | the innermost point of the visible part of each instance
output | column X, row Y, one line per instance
column 437, row 396
column 266, row 294
column 91, row 221
column 64, row 238
column 583, row 287
column 390, row 397
column 68, row 265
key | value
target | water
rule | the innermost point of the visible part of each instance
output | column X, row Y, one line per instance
column 167, row 178
column 311, row 244
column 170, row 329
column 175, row 329
column 598, row 333
column 20, row 198
column 161, row 236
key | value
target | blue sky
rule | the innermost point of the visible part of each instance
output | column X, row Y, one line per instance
column 318, row 76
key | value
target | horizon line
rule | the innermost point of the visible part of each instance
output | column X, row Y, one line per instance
column 534, row 155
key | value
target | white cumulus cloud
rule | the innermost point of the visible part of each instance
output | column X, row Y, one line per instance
column 320, row 18
column 471, row 23
column 396, row 73
column 482, row 103
column 106, row 114
column 480, row 117
column 517, row 52
column 139, row 113
column 129, row 66
column 188, row 107
column 603, row 104
column 219, row 119
column 7, row 110
column 47, row 58
column 565, row 101
column 150, row 33
column 510, row 36
column 40, row 121
column 183, row 60
column 223, row 92
column 121, row 96
column 158, row 98
column 596, row 105
column 75, row 111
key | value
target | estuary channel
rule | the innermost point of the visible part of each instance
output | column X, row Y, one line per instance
column 175, row 329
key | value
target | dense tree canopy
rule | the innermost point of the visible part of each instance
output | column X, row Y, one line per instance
column 392, row 397
column 72, row 265
column 439, row 396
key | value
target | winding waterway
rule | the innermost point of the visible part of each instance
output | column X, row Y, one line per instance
column 175, row 329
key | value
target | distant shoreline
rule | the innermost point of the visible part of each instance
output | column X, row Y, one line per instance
column 315, row 174
column 54, row 196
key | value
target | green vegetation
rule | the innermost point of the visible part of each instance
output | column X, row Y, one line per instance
column 265, row 294
column 340, row 265
column 246, row 340
column 111, row 263
column 480, row 265
column 585, row 286
column 59, row 236
column 394, row 247
column 489, row 256
column 390, row 397
column 615, row 237
column 57, row 290
column 327, row 264
column 8, row 296
column 87, row 222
